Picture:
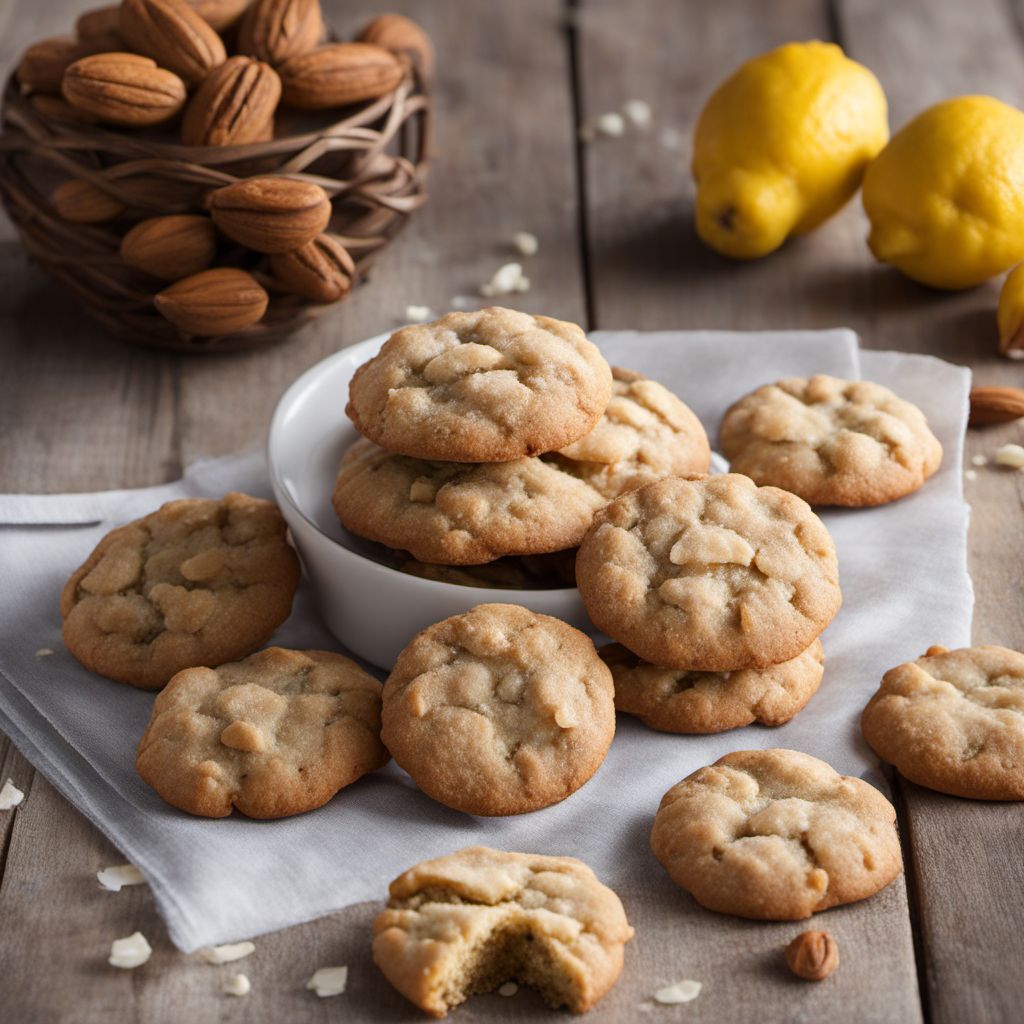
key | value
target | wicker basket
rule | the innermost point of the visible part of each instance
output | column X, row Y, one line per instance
column 372, row 164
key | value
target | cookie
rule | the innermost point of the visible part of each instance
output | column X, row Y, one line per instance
column 831, row 441
column 198, row 582
column 467, row 923
column 488, row 386
column 452, row 513
column 711, row 574
column 675, row 700
column 646, row 433
column 776, row 835
column 499, row 710
column 277, row 734
column 954, row 721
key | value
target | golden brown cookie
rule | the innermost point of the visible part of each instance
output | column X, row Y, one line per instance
column 466, row 923
column 277, row 734
column 709, row 573
column 457, row 513
column 776, row 835
column 954, row 721
column 487, row 386
column 675, row 700
column 499, row 710
column 198, row 582
column 831, row 441
column 646, row 433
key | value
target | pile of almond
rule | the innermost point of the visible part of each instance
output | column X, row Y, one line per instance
column 162, row 69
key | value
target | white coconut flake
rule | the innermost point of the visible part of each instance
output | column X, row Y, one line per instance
column 638, row 111
column 671, row 139
column 510, row 988
column 236, row 985
column 44, row 652
column 979, row 460
column 328, row 981
column 525, row 243
column 114, row 879
column 131, row 952
column 227, row 953
column 507, row 280
column 418, row 314
column 1010, row 455
column 680, row 992
column 1014, row 353
column 971, row 474
column 612, row 125
column 10, row 796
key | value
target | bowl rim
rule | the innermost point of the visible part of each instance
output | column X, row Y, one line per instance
column 289, row 399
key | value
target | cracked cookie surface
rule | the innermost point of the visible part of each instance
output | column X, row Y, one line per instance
column 831, row 441
column 486, row 386
column 198, row 582
column 954, row 721
column 675, row 700
column 709, row 573
column 464, row 924
column 453, row 513
column 276, row 734
column 776, row 835
column 499, row 710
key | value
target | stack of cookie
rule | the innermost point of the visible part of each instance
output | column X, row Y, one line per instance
column 494, row 435
column 717, row 591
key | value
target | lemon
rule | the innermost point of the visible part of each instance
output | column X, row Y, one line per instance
column 782, row 145
column 946, row 197
column 1010, row 314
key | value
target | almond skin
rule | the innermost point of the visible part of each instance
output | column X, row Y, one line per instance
column 404, row 38
column 219, row 14
column 97, row 22
column 339, row 74
column 277, row 30
column 174, row 35
column 320, row 271
column 43, row 64
column 170, row 248
column 124, row 89
column 213, row 302
column 991, row 405
column 81, row 202
column 235, row 105
column 271, row 214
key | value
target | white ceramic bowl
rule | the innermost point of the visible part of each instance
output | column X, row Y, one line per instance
column 372, row 609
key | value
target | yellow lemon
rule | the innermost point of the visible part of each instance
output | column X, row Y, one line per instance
column 782, row 145
column 946, row 197
column 1010, row 315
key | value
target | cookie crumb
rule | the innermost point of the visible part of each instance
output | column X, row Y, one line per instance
column 970, row 474
column 10, row 796
column 227, row 953
column 510, row 988
column 507, row 280
column 237, row 985
column 638, row 111
column 1010, row 455
column 131, row 952
column 1014, row 353
column 464, row 302
column 681, row 992
column 612, row 125
column 44, row 652
column 979, row 460
column 417, row 314
column 114, row 879
column 525, row 243
column 328, row 981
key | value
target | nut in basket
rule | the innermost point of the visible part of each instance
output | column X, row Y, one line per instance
column 211, row 174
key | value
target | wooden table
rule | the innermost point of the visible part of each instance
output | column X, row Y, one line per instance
column 515, row 83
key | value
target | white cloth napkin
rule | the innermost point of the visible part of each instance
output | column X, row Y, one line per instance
column 905, row 586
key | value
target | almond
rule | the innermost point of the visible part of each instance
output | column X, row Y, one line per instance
column 43, row 64
column 170, row 248
column 174, row 35
column 219, row 14
column 234, row 105
column 339, row 74
column 55, row 108
column 404, row 38
column 276, row 30
column 321, row 271
column 82, row 202
column 271, row 214
column 99, row 26
column 812, row 955
column 124, row 89
column 213, row 302
column 995, row 405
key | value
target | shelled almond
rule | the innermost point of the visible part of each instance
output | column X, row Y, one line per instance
column 234, row 105
column 321, row 271
column 172, row 34
column 43, row 64
column 214, row 302
column 219, row 14
column 403, row 37
column 276, row 30
column 171, row 247
column 338, row 74
column 271, row 214
column 124, row 89
column 82, row 202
